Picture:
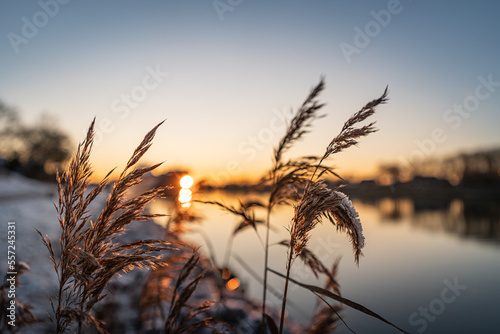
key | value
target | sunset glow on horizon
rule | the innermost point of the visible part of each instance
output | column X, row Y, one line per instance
column 228, row 83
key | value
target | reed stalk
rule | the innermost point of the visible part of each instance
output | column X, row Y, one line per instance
column 317, row 201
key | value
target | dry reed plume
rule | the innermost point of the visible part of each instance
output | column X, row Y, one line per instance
column 319, row 202
column 89, row 254
column 171, row 288
column 177, row 322
column 285, row 177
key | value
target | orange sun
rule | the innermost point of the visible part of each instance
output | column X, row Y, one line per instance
column 186, row 181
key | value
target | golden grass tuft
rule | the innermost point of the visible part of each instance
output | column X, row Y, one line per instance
column 89, row 254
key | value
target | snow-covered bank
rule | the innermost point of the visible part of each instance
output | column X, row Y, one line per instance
column 30, row 204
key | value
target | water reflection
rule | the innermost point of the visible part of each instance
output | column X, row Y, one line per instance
column 177, row 205
column 476, row 219
column 397, row 230
column 393, row 210
column 185, row 197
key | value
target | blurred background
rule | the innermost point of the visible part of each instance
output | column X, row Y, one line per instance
column 227, row 76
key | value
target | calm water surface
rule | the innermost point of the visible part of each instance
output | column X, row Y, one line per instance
column 428, row 270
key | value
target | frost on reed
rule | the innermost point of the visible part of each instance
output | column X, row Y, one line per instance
column 89, row 254
column 321, row 202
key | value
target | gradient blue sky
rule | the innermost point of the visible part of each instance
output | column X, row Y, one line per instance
column 228, row 78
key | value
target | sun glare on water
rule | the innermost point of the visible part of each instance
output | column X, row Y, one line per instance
column 185, row 194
